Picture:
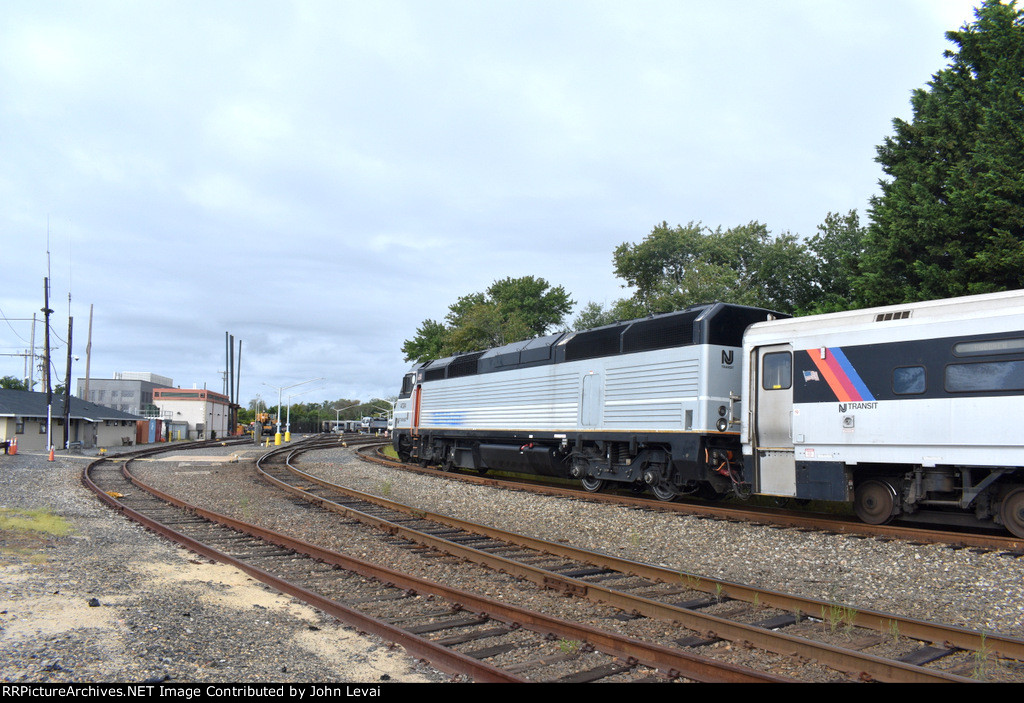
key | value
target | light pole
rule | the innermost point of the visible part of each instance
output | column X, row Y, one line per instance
column 280, row 395
column 389, row 412
column 288, row 423
column 338, row 411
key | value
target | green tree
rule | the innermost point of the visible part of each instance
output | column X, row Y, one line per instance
column 673, row 268
column 835, row 252
column 510, row 310
column 594, row 315
column 950, row 217
column 13, row 384
column 428, row 343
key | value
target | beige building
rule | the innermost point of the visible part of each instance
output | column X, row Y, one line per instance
column 203, row 414
column 23, row 416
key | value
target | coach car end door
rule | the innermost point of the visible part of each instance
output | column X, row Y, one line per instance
column 773, row 419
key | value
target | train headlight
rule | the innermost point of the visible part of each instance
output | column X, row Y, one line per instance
column 722, row 424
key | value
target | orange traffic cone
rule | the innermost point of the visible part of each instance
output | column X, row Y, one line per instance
column 14, row 446
column 51, row 453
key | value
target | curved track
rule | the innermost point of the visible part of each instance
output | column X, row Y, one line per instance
column 780, row 517
column 654, row 592
column 402, row 609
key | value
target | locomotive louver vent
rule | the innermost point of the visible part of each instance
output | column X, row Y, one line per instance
column 659, row 333
column 885, row 316
column 434, row 374
column 592, row 344
column 464, row 365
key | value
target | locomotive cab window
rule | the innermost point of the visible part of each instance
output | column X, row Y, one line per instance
column 777, row 371
column 406, row 386
column 908, row 380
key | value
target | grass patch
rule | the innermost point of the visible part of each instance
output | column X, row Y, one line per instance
column 24, row 534
column 40, row 521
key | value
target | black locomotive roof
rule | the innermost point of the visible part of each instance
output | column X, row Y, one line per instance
column 720, row 324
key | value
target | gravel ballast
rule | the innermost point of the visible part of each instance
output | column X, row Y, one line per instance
column 113, row 602
column 163, row 613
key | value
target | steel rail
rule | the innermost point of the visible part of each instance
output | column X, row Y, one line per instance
column 446, row 659
column 778, row 642
column 963, row 638
column 443, row 658
column 770, row 516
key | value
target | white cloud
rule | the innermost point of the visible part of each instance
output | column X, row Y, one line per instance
column 320, row 177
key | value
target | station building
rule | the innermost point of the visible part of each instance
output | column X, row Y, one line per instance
column 23, row 417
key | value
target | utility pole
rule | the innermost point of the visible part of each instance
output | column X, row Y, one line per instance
column 67, row 392
column 88, row 355
column 46, row 363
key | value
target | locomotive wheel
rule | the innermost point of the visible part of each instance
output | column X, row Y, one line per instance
column 663, row 493
column 448, row 463
column 875, row 502
column 404, row 449
column 591, row 484
column 1012, row 511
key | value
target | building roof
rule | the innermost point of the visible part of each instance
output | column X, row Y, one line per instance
column 32, row 404
column 189, row 394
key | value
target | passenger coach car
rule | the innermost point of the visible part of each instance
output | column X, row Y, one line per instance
column 912, row 410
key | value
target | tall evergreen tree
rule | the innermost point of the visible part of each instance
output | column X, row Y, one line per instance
column 950, row 217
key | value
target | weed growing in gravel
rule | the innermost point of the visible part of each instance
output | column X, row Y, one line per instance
column 894, row 631
column 981, row 664
column 838, row 615
column 569, row 646
column 385, row 488
column 690, row 580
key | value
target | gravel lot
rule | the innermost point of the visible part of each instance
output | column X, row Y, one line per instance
column 164, row 613
column 158, row 612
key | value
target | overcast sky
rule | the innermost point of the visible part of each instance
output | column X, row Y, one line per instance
column 318, row 178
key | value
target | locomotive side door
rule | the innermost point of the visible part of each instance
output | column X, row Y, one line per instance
column 591, row 397
column 772, row 389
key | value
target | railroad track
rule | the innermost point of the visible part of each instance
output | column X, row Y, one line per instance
column 369, row 451
column 758, row 618
column 429, row 620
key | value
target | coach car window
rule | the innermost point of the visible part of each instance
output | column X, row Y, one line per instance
column 908, row 380
column 777, row 371
column 994, row 376
column 989, row 346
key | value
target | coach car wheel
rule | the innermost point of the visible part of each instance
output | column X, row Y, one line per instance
column 875, row 502
column 591, row 484
column 1012, row 512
